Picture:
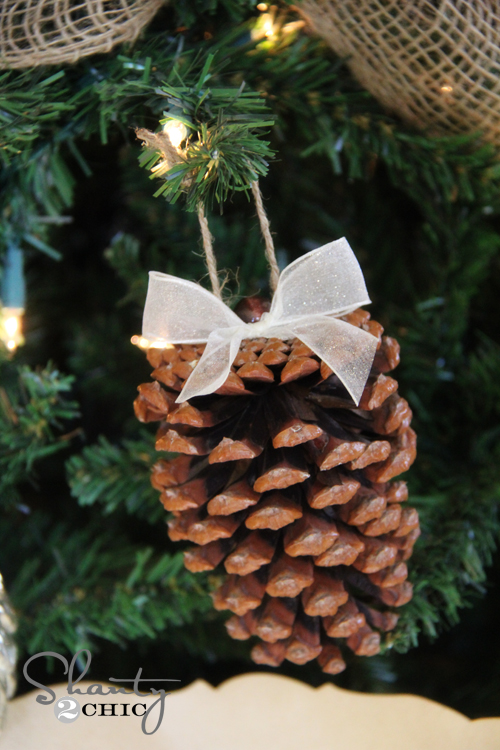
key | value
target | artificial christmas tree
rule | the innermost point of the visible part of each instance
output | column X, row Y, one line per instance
column 85, row 556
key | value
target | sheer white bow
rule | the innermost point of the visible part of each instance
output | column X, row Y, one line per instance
column 313, row 292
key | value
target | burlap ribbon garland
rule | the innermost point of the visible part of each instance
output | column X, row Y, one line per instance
column 51, row 32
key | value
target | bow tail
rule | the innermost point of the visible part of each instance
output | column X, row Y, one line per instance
column 348, row 350
column 214, row 365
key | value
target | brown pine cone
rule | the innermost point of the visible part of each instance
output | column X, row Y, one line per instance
column 287, row 484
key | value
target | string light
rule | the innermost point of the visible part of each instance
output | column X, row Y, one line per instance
column 11, row 332
column 271, row 24
column 176, row 131
column 446, row 89
column 266, row 26
column 144, row 343
column 140, row 341
column 13, row 295
column 12, row 325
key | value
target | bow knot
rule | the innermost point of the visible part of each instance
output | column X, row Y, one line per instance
column 260, row 327
column 312, row 293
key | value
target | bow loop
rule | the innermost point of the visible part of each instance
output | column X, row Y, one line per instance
column 348, row 350
column 312, row 293
column 178, row 311
column 325, row 281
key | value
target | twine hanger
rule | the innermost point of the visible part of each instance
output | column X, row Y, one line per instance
column 172, row 155
column 268, row 242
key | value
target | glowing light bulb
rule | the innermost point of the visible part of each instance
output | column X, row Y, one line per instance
column 160, row 345
column 446, row 89
column 268, row 27
column 11, row 328
column 176, row 131
column 144, row 343
column 12, row 325
column 140, row 341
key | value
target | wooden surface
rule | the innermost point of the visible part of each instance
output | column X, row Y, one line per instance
column 263, row 711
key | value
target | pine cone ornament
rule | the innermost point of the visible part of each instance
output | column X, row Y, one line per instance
column 285, row 483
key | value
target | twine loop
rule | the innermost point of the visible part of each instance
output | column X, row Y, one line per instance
column 268, row 241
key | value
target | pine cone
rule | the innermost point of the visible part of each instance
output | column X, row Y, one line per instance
column 284, row 481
